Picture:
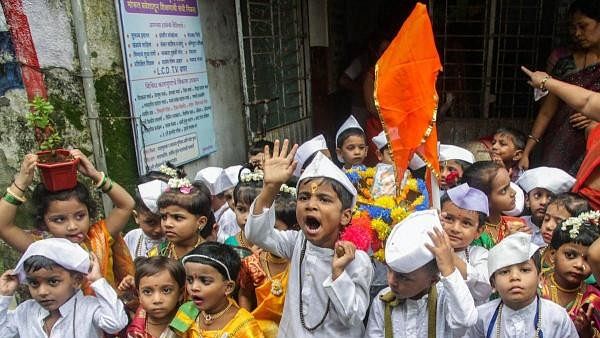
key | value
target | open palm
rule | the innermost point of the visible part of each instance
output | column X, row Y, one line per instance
column 279, row 167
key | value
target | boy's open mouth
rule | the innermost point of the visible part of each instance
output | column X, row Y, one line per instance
column 312, row 224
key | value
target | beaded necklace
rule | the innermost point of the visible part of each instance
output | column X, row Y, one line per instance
column 537, row 322
column 301, row 306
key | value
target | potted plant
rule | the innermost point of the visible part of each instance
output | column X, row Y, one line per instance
column 58, row 168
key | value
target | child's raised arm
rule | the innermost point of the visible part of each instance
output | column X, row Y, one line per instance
column 123, row 202
column 9, row 232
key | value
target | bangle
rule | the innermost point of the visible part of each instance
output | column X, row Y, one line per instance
column 101, row 182
column 543, row 82
column 537, row 140
column 11, row 199
column 18, row 198
column 110, row 186
column 16, row 186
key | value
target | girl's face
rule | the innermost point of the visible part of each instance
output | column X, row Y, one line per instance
column 571, row 266
column 584, row 30
column 241, row 213
column 206, row 287
column 502, row 197
column 555, row 214
column 159, row 295
column 180, row 225
column 68, row 219
column 462, row 226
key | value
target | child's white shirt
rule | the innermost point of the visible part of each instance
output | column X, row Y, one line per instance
column 81, row 316
column 520, row 323
column 225, row 218
column 139, row 244
column 349, row 293
column 455, row 312
column 478, row 279
column 536, row 233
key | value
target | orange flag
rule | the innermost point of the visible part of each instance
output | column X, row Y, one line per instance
column 405, row 94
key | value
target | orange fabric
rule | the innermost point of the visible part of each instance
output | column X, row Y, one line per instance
column 405, row 94
column 589, row 168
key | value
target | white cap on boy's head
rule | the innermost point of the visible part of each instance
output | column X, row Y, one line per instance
column 554, row 180
column 469, row 198
column 380, row 140
column 215, row 179
column 150, row 192
column 321, row 166
column 405, row 249
column 416, row 162
column 451, row 152
column 233, row 174
column 519, row 201
column 306, row 150
column 350, row 123
column 514, row 249
column 63, row 252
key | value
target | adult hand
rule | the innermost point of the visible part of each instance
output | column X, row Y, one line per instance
column 579, row 121
column 524, row 162
column 535, row 78
column 279, row 167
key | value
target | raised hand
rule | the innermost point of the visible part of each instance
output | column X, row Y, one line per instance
column 127, row 284
column 343, row 254
column 8, row 283
column 279, row 167
column 25, row 176
column 442, row 250
column 94, row 273
column 86, row 167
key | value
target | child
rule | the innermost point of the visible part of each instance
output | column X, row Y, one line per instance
column 417, row 299
column 69, row 214
column 541, row 185
column 150, row 233
column 350, row 144
column 54, row 270
column 464, row 211
column 514, row 265
column 186, row 218
column 233, row 173
column 218, row 183
column 453, row 163
column 255, row 154
column 492, row 179
column 565, row 284
column 383, row 149
column 264, row 287
column 244, row 193
column 211, row 270
column 160, row 283
column 329, row 293
column 307, row 151
column 507, row 148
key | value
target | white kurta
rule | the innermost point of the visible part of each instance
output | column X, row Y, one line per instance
column 81, row 316
column 478, row 279
column 536, row 234
column 139, row 244
column 555, row 321
column 349, row 293
column 455, row 312
column 225, row 218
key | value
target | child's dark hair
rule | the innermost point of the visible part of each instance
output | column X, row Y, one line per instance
column 150, row 266
column 342, row 193
column 309, row 160
column 481, row 217
column 573, row 203
column 259, row 146
column 589, row 8
column 220, row 252
column 518, row 137
column 480, row 175
column 285, row 210
column 196, row 202
column 38, row 262
column 586, row 235
column 42, row 198
column 246, row 192
column 464, row 165
column 347, row 133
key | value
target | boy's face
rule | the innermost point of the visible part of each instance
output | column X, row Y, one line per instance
column 149, row 223
column 462, row 226
column 68, row 219
column 206, row 287
column 411, row 285
column 503, row 148
column 571, row 265
column 384, row 156
column 537, row 200
column 353, row 150
column 241, row 213
column 502, row 197
column 451, row 173
column 319, row 213
column 51, row 288
column 517, row 284
column 555, row 214
column 159, row 295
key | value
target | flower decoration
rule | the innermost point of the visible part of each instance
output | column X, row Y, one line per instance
column 374, row 218
column 255, row 176
column 168, row 171
column 287, row 189
column 574, row 223
column 183, row 184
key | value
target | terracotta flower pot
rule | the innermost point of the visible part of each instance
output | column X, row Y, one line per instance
column 58, row 168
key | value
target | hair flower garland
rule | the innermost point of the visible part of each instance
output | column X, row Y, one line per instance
column 287, row 189
column 183, row 184
column 574, row 223
column 168, row 171
column 255, row 176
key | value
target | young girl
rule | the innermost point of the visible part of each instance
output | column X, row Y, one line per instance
column 160, row 283
column 263, row 287
column 244, row 193
column 186, row 217
column 211, row 270
column 565, row 284
column 69, row 214
column 494, row 180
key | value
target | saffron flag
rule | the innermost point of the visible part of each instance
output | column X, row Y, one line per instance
column 405, row 94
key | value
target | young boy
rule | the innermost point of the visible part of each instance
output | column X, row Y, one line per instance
column 464, row 212
column 350, row 144
column 417, row 299
column 54, row 270
column 218, row 183
column 507, row 149
column 383, row 150
column 307, row 151
column 541, row 185
column 328, row 287
column 453, row 163
column 255, row 154
column 514, row 264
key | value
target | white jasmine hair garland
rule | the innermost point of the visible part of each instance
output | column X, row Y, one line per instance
column 575, row 222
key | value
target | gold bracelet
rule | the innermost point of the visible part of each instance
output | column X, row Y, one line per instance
column 543, row 82
column 21, row 199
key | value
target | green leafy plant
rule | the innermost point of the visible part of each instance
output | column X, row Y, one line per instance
column 40, row 119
